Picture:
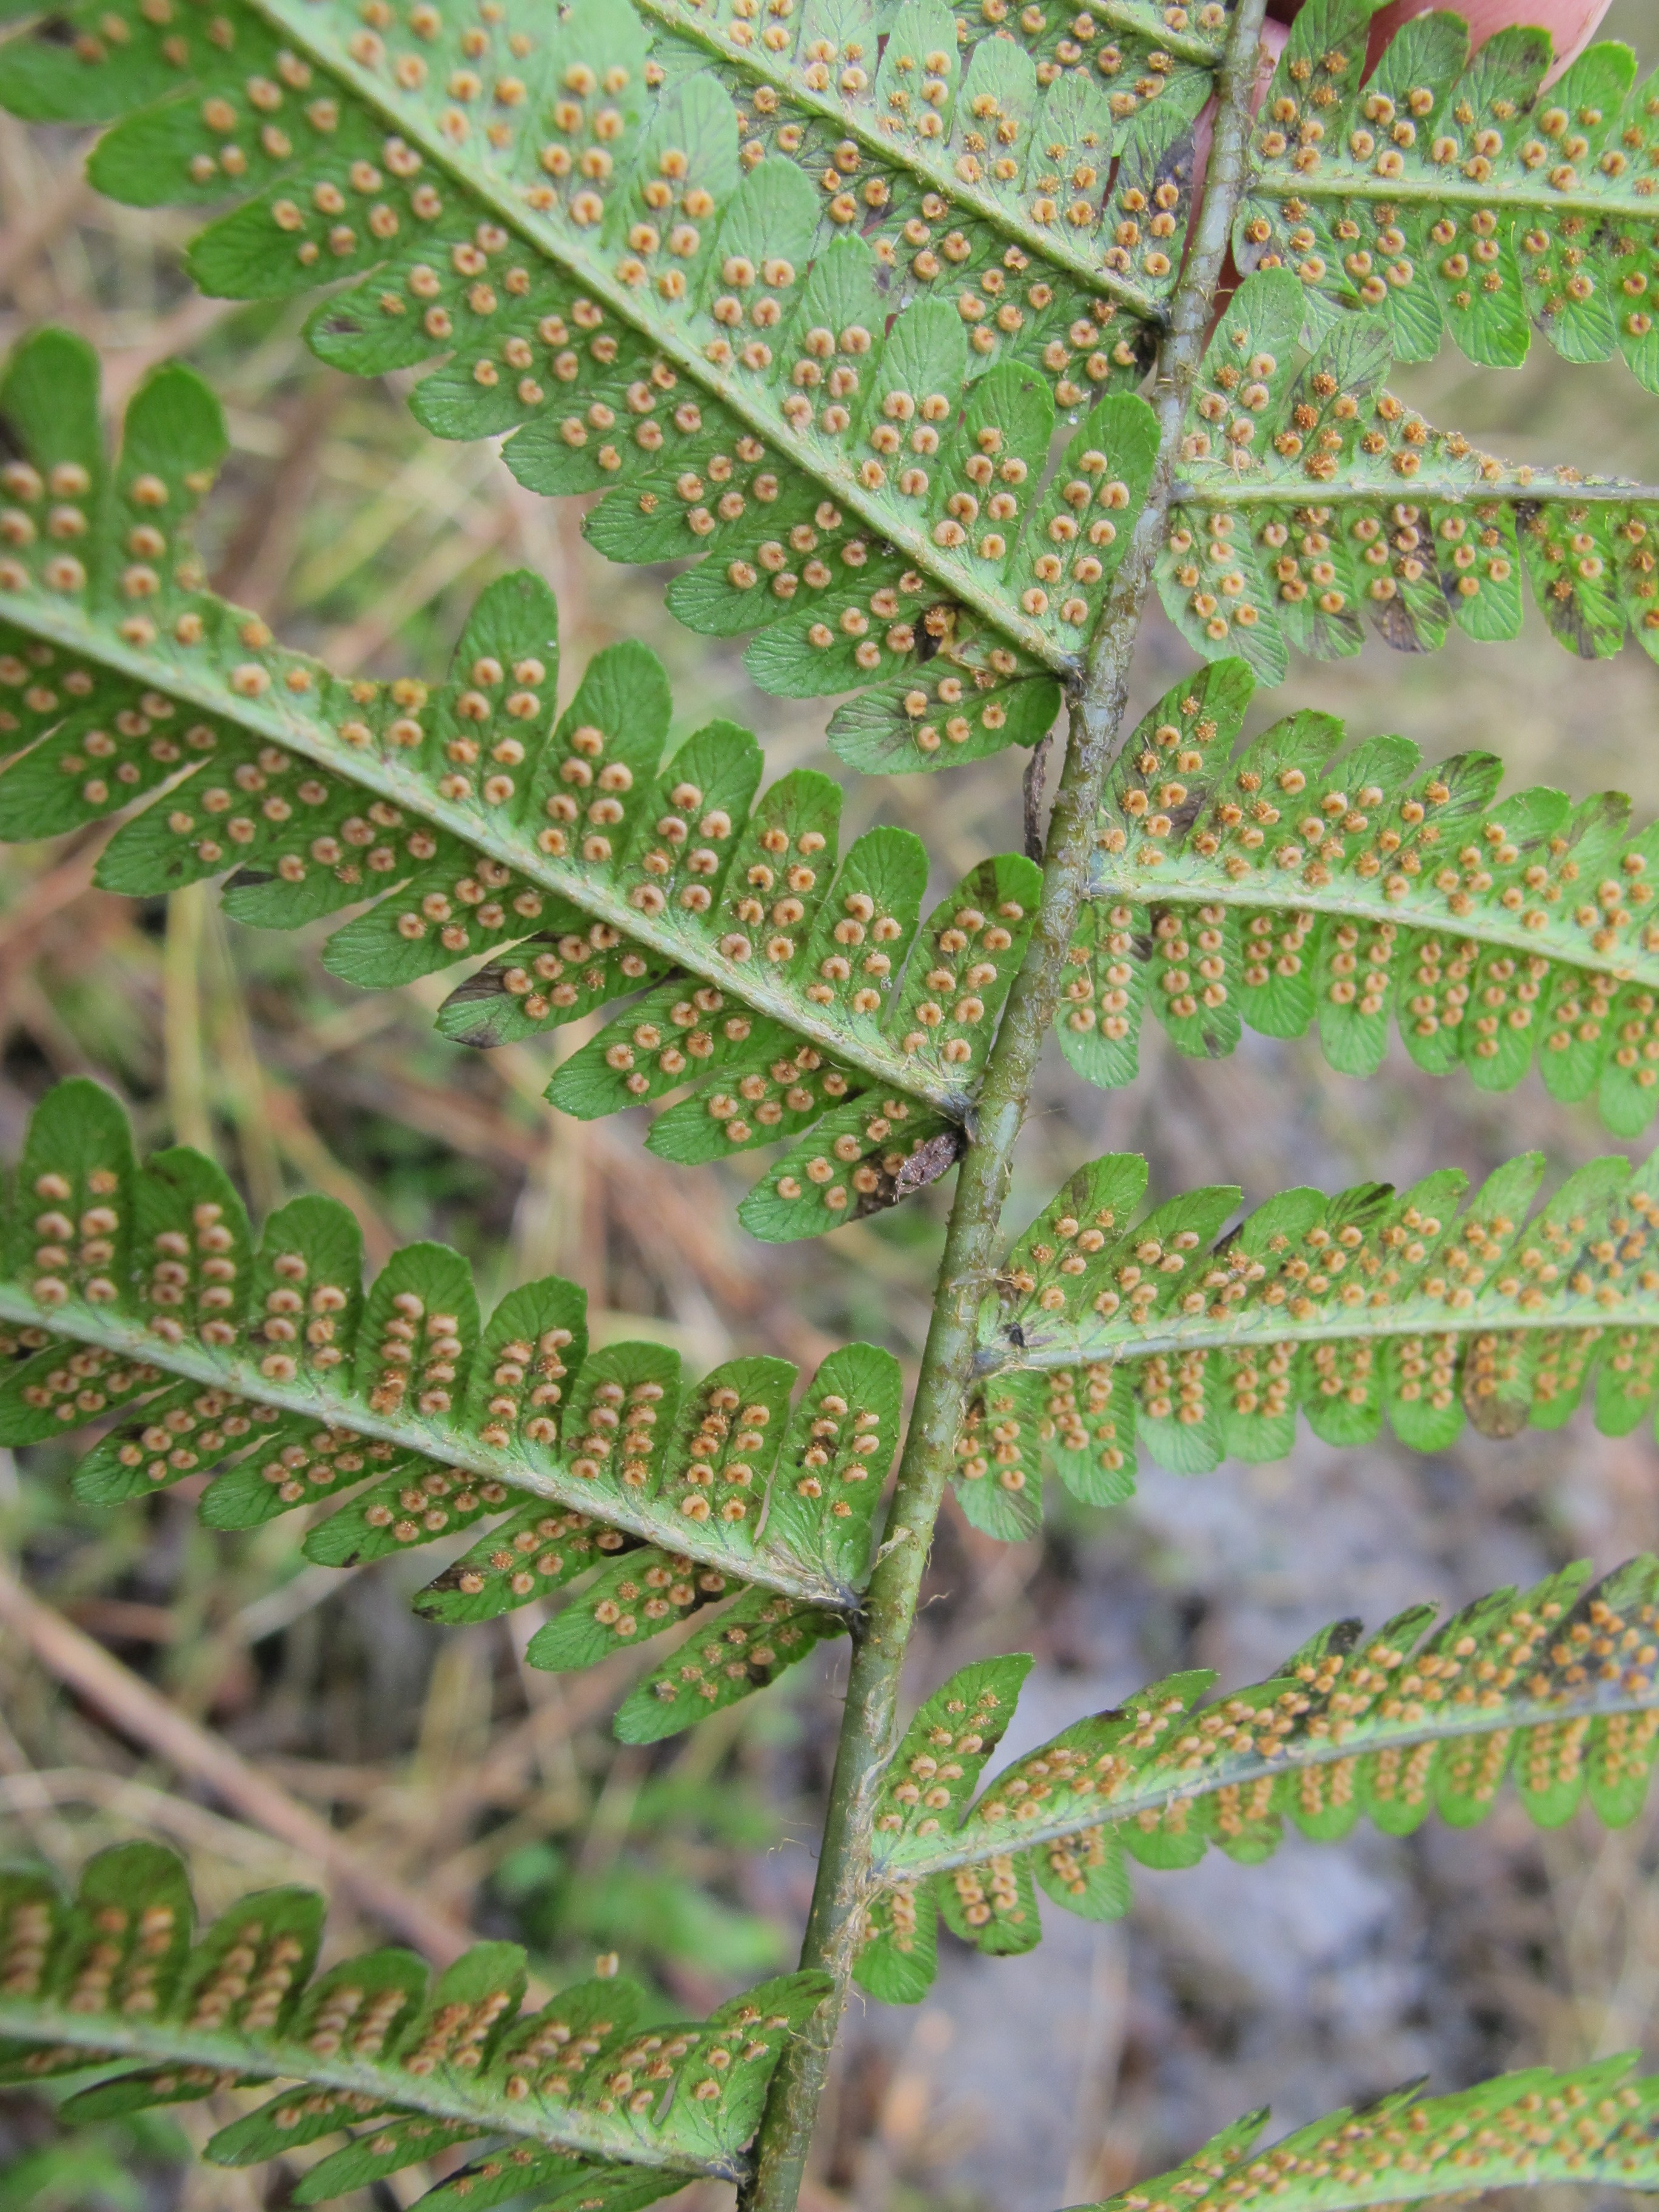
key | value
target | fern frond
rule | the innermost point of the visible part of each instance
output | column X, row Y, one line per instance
column 1460, row 196
column 141, row 1297
column 1306, row 884
column 1310, row 499
column 1106, row 1335
column 1552, row 1688
column 791, row 308
column 566, row 845
column 118, row 1981
column 1517, row 2131
column 660, row 253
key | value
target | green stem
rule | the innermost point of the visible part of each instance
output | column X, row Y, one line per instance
column 181, row 1019
column 1418, row 1315
column 1544, row 486
column 845, row 1877
column 1595, row 203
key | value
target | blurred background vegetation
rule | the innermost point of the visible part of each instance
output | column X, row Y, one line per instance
column 495, row 1794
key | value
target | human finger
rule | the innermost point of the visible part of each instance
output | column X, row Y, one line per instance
column 1571, row 24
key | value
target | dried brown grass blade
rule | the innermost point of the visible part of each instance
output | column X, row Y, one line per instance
column 141, row 1712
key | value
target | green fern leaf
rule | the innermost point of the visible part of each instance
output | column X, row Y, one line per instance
column 618, row 2189
column 898, row 1955
column 751, row 1643
column 1382, row 1727
column 596, row 310
column 840, row 1441
column 141, row 1294
column 527, row 1555
column 1519, row 2130
column 807, row 314
column 788, row 980
column 1310, row 498
column 943, row 1751
column 374, row 2157
column 1459, row 196
column 113, row 1982
column 1307, row 885
column 1112, row 1334
column 1011, row 1430
column 639, row 1596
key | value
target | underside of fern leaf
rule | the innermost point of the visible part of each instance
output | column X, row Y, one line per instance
column 1109, row 1333
column 1461, row 196
column 802, row 311
column 1310, row 500
column 1553, row 1687
column 802, row 991
column 1302, row 884
column 806, row 298
column 1597, row 2125
column 142, row 1295
column 115, row 1992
